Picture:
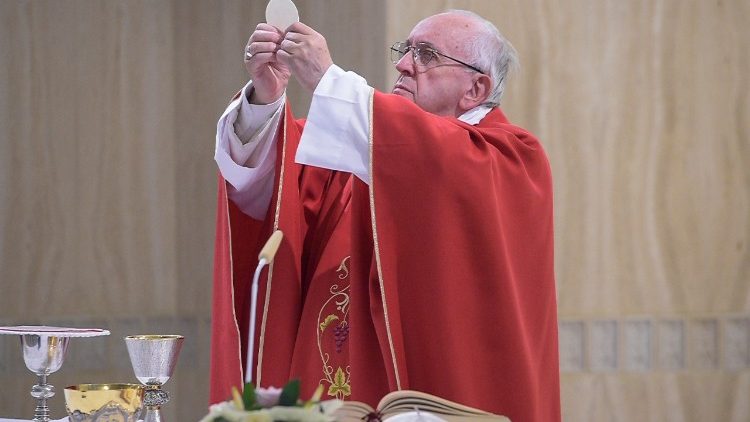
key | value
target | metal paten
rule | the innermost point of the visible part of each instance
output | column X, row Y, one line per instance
column 44, row 350
column 153, row 358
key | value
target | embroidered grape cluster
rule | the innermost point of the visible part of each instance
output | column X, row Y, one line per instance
column 340, row 334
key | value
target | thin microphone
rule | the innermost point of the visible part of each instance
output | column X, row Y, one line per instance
column 265, row 257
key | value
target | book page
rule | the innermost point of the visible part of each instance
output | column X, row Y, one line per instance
column 353, row 411
column 399, row 402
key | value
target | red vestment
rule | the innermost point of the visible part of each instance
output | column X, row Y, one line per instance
column 437, row 277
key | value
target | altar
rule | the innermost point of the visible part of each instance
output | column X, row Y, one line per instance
column 153, row 358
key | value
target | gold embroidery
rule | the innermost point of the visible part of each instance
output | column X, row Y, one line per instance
column 329, row 319
column 334, row 314
column 343, row 269
column 270, row 266
column 340, row 387
column 377, row 248
column 231, row 285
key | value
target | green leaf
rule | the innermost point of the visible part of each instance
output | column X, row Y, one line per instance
column 339, row 385
column 221, row 419
column 329, row 319
column 290, row 394
column 248, row 397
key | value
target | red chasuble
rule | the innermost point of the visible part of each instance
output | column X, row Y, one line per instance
column 437, row 277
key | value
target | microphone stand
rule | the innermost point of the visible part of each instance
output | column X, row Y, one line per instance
column 264, row 258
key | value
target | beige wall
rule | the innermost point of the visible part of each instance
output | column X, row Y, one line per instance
column 107, row 114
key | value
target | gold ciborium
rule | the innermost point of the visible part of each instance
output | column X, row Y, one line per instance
column 104, row 402
column 153, row 358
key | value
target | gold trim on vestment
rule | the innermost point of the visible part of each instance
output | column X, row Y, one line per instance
column 231, row 279
column 277, row 212
column 377, row 245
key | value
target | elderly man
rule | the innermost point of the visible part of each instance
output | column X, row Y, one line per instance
column 418, row 249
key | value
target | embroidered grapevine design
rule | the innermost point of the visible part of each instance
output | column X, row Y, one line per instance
column 340, row 387
column 334, row 315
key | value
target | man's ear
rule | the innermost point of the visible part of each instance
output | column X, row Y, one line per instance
column 477, row 93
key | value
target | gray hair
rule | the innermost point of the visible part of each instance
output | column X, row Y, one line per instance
column 491, row 52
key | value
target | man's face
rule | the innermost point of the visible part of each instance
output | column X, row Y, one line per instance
column 437, row 87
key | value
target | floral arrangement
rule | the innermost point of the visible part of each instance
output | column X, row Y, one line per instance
column 273, row 405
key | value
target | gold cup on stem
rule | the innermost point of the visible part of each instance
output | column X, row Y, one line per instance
column 153, row 358
column 104, row 402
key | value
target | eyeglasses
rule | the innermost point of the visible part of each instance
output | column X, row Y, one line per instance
column 422, row 54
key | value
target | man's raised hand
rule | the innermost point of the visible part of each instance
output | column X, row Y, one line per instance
column 305, row 53
column 270, row 76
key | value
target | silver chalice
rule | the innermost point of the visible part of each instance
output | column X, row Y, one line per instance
column 43, row 355
column 44, row 350
column 153, row 358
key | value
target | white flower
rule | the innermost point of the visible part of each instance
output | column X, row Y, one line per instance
column 310, row 411
column 267, row 397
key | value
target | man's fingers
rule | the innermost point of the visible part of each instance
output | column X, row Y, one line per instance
column 262, row 47
column 268, row 28
column 295, row 36
column 264, row 36
column 300, row 28
column 261, row 58
column 284, row 57
column 288, row 45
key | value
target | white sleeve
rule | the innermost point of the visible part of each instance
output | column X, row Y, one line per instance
column 245, row 153
column 337, row 131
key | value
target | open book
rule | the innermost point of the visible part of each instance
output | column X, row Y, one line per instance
column 403, row 401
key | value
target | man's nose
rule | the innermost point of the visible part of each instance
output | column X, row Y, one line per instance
column 405, row 65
